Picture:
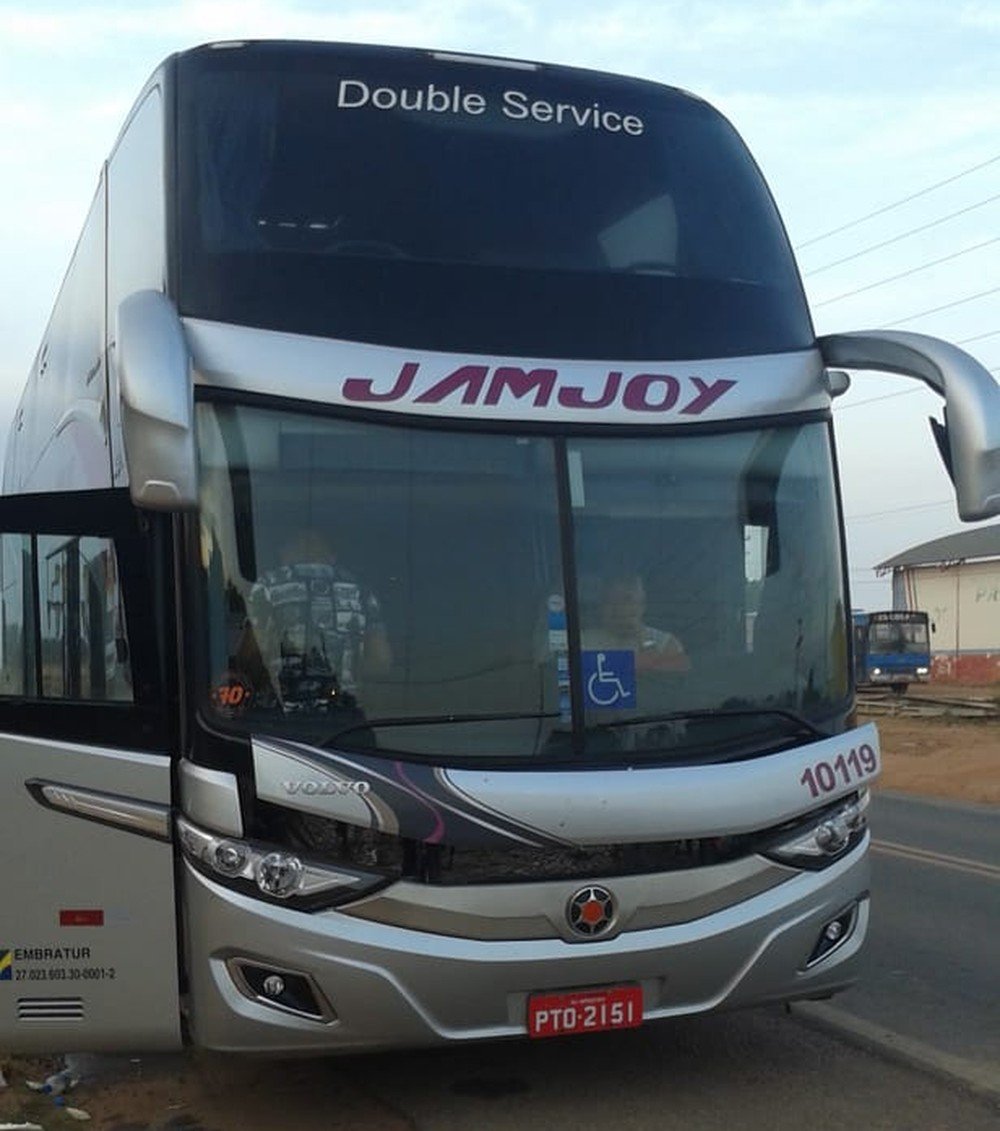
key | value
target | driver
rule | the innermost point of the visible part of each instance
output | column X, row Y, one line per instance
column 621, row 626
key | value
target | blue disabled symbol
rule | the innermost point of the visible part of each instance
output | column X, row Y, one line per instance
column 609, row 679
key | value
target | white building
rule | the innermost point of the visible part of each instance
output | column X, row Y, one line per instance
column 956, row 580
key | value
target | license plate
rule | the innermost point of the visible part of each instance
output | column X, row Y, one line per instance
column 584, row 1011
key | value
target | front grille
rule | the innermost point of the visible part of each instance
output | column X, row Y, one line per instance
column 524, row 865
column 338, row 843
column 400, row 858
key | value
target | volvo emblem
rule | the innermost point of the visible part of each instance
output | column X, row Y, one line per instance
column 591, row 911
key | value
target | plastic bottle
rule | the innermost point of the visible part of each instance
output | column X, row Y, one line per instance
column 58, row 1083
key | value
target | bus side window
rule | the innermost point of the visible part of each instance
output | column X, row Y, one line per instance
column 18, row 667
column 63, row 622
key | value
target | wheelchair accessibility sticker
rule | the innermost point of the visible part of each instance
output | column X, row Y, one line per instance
column 608, row 680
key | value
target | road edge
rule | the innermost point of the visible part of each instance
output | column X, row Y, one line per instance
column 976, row 1078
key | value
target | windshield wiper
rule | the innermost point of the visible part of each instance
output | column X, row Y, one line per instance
column 802, row 725
column 427, row 720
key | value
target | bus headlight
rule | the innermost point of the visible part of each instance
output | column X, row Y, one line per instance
column 229, row 858
column 272, row 872
column 279, row 873
column 823, row 837
column 923, row 671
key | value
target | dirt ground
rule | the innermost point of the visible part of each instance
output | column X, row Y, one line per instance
column 956, row 759
column 203, row 1092
column 952, row 758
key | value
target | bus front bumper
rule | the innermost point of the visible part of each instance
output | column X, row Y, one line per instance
column 377, row 986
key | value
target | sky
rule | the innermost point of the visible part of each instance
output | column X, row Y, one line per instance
column 876, row 125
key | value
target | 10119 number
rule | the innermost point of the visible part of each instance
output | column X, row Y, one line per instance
column 824, row 777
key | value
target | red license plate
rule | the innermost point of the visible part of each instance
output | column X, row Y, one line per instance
column 584, row 1011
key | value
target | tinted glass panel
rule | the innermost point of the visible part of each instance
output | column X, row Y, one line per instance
column 389, row 196
column 19, row 671
column 899, row 636
column 64, row 631
column 440, row 594
column 709, row 582
column 353, row 568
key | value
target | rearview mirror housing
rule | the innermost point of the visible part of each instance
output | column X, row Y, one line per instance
column 969, row 439
column 157, row 403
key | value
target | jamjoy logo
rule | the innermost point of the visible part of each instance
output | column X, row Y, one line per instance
column 486, row 385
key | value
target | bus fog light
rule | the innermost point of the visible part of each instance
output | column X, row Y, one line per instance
column 834, row 934
column 274, row 985
column 278, row 874
column 288, row 991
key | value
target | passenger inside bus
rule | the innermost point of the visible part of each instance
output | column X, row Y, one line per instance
column 317, row 630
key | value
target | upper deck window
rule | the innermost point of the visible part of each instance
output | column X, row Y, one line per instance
column 397, row 198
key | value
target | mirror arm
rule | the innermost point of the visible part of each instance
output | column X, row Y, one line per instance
column 969, row 438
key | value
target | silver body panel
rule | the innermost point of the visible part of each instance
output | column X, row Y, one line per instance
column 517, row 912
column 210, row 798
column 417, row 964
column 89, row 919
column 483, row 387
column 394, row 986
column 614, row 806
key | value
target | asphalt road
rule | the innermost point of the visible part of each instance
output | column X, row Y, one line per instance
column 760, row 1070
column 931, row 981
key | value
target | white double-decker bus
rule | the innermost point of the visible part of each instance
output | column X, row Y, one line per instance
column 425, row 615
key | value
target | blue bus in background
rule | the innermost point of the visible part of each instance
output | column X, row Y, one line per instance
column 891, row 649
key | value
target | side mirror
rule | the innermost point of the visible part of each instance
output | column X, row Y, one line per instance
column 969, row 439
column 157, row 401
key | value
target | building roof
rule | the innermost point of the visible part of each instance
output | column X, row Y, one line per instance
column 982, row 542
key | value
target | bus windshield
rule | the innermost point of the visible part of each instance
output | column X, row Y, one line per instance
column 413, row 199
column 455, row 595
column 900, row 635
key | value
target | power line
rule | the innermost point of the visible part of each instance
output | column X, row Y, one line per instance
column 884, row 397
column 938, row 309
column 898, row 510
column 977, row 337
column 906, row 274
column 903, row 235
column 898, row 203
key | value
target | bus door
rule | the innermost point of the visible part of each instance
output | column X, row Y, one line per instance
column 88, row 931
